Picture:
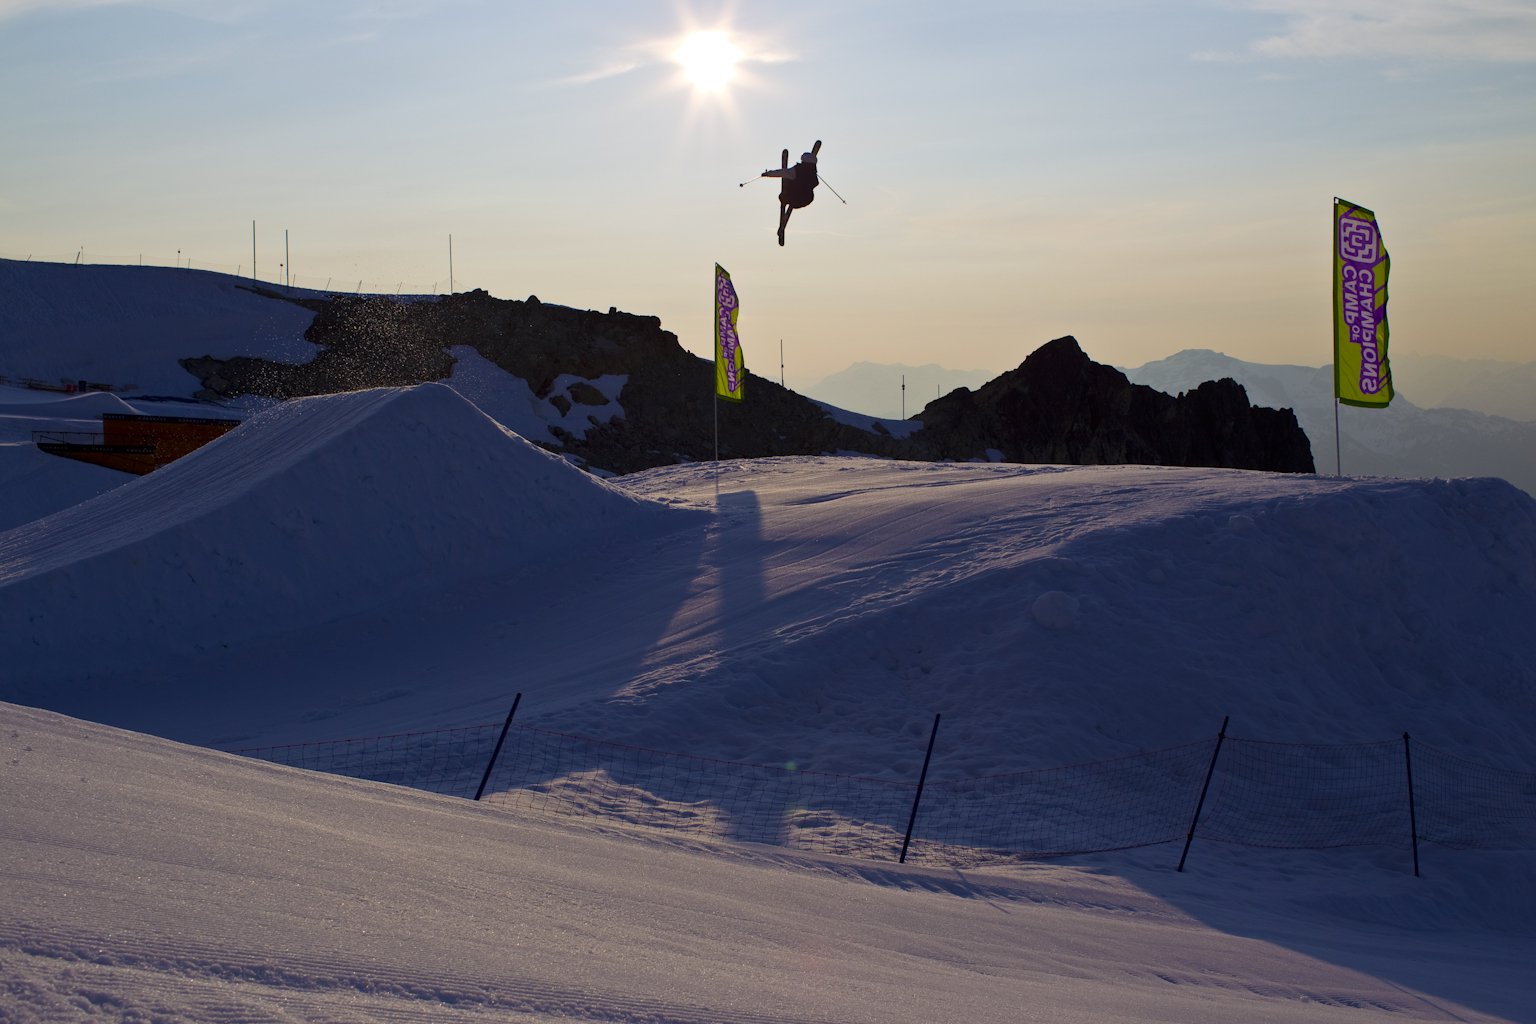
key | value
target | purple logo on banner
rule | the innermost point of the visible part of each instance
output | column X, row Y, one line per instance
column 1359, row 241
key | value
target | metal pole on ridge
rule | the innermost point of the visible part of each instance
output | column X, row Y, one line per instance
column 1209, row 771
column 1338, row 463
column 912, row 820
column 1413, row 814
column 499, row 741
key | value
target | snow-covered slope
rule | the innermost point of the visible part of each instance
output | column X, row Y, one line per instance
column 144, row 880
column 511, row 402
column 128, row 326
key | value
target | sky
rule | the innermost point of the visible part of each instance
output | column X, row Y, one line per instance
column 400, row 560
column 1146, row 177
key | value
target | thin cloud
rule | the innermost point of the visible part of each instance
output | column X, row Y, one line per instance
column 658, row 54
column 16, row 8
column 611, row 70
column 1463, row 30
column 227, row 11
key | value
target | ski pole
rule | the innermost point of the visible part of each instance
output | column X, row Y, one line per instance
column 831, row 189
column 749, row 181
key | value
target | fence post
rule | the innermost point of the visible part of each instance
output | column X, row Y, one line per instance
column 499, row 741
column 1413, row 814
column 1221, row 738
column 911, row 821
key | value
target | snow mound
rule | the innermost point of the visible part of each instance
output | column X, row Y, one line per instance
column 310, row 510
column 1055, row 610
column 81, row 414
column 17, row 402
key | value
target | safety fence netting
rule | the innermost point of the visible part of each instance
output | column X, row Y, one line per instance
column 1247, row 792
column 446, row 761
column 1119, row 804
column 1469, row 806
column 556, row 773
column 1307, row 796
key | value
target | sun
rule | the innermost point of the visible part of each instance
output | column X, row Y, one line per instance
column 708, row 60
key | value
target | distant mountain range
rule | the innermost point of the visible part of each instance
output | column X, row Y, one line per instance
column 1451, row 417
column 1403, row 439
column 1482, row 385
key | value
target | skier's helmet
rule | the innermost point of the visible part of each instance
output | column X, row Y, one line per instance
column 807, row 158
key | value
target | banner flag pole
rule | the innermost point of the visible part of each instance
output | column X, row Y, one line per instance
column 1338, row 443
column 1338, row 463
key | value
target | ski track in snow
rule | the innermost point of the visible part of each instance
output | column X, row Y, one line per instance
column 171, row 981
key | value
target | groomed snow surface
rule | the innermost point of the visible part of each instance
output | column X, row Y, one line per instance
column 398, row 560
column 148, row 881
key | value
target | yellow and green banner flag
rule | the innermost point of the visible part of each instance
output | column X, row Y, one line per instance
column 1360, row 267
column 730, row 367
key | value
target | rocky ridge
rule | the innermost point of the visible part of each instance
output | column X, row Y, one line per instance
column 1058, row 406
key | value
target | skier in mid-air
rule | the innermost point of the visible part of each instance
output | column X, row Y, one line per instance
column 799, row 184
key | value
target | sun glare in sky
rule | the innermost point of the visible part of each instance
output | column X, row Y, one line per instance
column 708, row 60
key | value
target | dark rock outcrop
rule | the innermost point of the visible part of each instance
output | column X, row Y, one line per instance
column 1057, row 407
column 1061, row 407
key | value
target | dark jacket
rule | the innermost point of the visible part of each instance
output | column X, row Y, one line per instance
column 799, row 190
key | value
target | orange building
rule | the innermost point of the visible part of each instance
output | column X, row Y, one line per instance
column 133, row 443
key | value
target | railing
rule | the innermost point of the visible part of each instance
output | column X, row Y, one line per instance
column 67, row 437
